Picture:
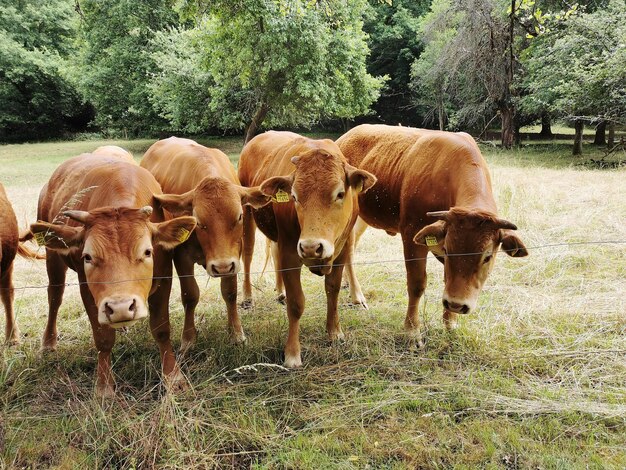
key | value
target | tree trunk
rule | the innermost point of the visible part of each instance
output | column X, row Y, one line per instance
column 579, row 125
column 256, row 122
column 600, row 138
column 546, row 126
column 611, row 142
column 440, row 115
column 508, row 127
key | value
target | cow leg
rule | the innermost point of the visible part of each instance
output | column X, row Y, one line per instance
column 229, row 294
column 12, row 332
column 57, row 269
column 415, row 262
column 160, row 324
column 356, row 294
column 190, row 295
column 104, row 337
column 332, row 283
column 249, row 233
column 280, row 285
column 292, row 265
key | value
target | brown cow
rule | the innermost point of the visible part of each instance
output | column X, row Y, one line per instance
column 113, row 239
column 203, row 182
column 114, row 151
column 316, row 205
column 425, row 175
column 9, row 247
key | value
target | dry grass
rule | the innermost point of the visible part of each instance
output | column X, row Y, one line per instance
column 534, row 379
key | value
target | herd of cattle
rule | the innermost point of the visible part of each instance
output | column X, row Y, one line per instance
column 122, row 227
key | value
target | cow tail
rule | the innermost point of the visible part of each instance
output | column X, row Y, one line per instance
column 268, row 254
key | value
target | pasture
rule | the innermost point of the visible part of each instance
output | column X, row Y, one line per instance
column 535, row 379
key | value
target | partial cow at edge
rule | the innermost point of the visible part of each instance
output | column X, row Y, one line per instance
column 96, row 217
column 9, row 247
column 434, row 189
column 314, row 190
column 202, row 182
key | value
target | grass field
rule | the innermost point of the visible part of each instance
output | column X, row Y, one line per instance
column 535, row 379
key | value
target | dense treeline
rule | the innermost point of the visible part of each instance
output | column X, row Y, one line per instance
column 132, row 67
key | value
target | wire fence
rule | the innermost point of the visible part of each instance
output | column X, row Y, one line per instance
column 358, row 263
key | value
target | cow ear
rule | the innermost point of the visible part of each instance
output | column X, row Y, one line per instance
column 254, row 197
column 512, row 245
column 60, row 238
column 172, row 233
column 273, row 185
column 432, row 235
column 359, row 180
column 176, row 204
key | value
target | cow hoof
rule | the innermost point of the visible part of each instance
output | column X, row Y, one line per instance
column 359, row 303
column 186, row 345
column 291, row 362
column 238, row 338
column 415, row 339
column 247, row 304
column 451, row 325
column 48, row 348
column 176, row 383
column 105, row 392
column 337, row 337
column 281, row 299
column 13, row 341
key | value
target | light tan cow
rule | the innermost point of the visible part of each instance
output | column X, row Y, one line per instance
column 434, row 189
column 203, row 182
column 315, row 190
column 9, row 247
column 96, row 218
column 114, row 151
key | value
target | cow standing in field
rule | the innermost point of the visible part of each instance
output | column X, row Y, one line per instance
column 118, row 247
column 426, row 175
column 203, row 182
column 315, row 193
column 9, row 247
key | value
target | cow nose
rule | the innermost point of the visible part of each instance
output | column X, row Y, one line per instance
column 223, row 267
column 314, row 248
column 455, row 307
column 121, row 309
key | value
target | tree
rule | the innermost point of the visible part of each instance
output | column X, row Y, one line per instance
column 393, row 30
column 37, row 98
column 283, row 63
column 577, row 70
column 116, row 60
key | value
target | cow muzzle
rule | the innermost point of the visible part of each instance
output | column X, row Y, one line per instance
column 223, row 267
column 457, row 305
column 121, row 311
column 315, row 249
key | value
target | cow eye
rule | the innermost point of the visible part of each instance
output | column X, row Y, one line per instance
column 241, row 217
column 487, row 259
column 341, row 195
column 148, row 253
column 87, row 258
column 295, row 199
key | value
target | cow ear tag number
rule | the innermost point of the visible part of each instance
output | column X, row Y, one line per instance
column 280, row 196
column 431, row 241
column 183, row 235
column 40, row 238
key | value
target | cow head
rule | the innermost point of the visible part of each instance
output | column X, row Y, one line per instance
column 116, row 247
column 468, row 241
column 323, row 189
column 217, row 204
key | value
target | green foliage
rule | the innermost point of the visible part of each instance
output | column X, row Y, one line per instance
column 577, row 68
column 278, row 62
column 116, row 61
column 393, row 29
column 36, row 97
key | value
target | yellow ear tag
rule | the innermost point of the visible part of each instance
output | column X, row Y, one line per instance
column 40, row 238
column 281, row 196
column 431, row 241
column 183, row 235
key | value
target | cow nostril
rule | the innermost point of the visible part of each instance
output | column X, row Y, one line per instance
column 320, row 250
column 464, row 309
column 301, row 248
column 232, row 267
column 213, row 270
column 108, row 310
column 446, row 304
column 133, row 306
